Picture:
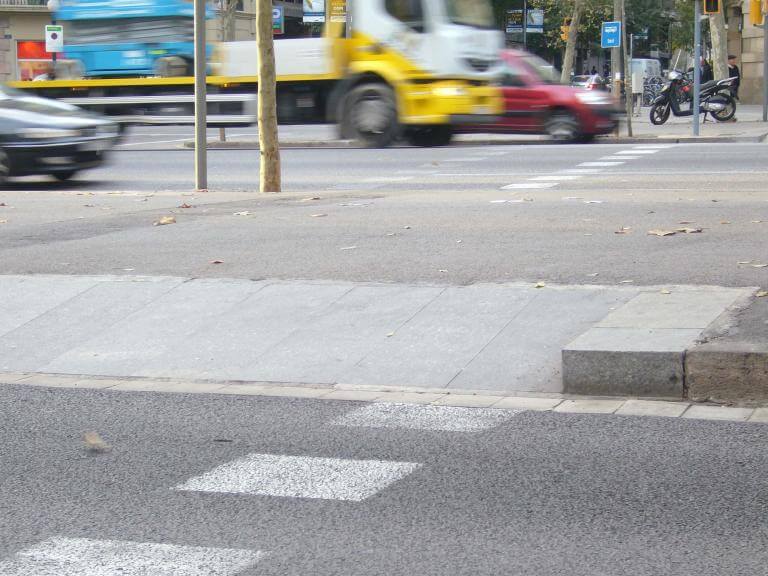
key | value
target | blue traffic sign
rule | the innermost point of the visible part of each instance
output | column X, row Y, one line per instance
column 611, row 35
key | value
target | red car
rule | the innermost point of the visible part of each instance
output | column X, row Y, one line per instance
column 535, row 103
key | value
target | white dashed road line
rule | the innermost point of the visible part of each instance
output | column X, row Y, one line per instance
column 529, row 185
column 301, row 477
column 84, row 557
column 622, row 158
column 595, row 164
column 425, row 417
column 639, row 151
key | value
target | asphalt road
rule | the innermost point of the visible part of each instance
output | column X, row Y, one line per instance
column 457, row 215
column 528, row 493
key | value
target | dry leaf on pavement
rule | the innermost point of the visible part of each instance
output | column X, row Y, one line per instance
column 3, row 221
column 756, row 265
column 762, row 293
column 185, row 205
column 662, row 232
column 665, row 291
column 622, row 230
column 165, row 220
column 626, row 282
column 310, row 199
column 217, row 261
column 539, row 285
column 348, row 248
column 243, row 213
column 689, row 230
column 95, row 444
column 725, row 222
column 319, row 215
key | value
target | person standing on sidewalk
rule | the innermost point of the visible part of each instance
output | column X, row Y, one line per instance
column 734, row 72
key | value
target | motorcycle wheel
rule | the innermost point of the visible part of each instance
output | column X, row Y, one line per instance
column 659, row 113
column 726, row 113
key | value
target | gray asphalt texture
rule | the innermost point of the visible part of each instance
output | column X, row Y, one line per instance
column 404, row 215
column 541, row 494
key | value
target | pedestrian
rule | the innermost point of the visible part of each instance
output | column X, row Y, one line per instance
column 734, row 72
column 594, row 70
column 706, row 71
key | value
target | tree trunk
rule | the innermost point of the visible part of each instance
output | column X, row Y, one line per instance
column 228, row 12
column 269, row 147
column 570, row 45
column 719, row 36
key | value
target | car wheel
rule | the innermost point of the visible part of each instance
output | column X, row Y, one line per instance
column 429, row 136
column 5, row 167
column 64, row 176
column 370, row 116
column 562, row 126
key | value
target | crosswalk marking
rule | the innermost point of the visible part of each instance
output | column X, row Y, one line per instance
column 425, row 417
column 84, row 557
column 301, row 477
column 599, row 164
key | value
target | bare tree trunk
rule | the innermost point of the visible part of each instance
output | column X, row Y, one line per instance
column 570, row 44
column 228, row 12
column 719, row 36
column 269, row 147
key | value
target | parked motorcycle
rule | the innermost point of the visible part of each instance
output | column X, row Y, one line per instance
column 714, row 98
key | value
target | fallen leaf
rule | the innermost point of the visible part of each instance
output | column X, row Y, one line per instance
column 443, row 271
column 689, row 230
column 217, row 261
column 594, row 275
column 745, row 262
column 165, row 220
column 128, row 269
column 348, row 248
column 185, row 205
column 3, row 221
column 661, row 232
column 539, row 285
column 665, row 291
column 725, row 221
column 202, row 190
column 751, row 221
column 310, row 199
column 762, row 293
column 527, row 199
column 243, row 213
column 390, row 334
column 406, row 227
column 319, row 215
column 391, row 234
column 685, row 222
column 459, row 241
column 622, row 230
column 435, row 163
column 759, row 265
column 89, row 205
column 95, row 444
column 626, row 282
column 593, row 201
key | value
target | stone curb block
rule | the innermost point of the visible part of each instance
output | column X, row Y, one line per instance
column 727, row 373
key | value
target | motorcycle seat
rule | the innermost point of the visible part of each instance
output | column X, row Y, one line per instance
column 710, row 84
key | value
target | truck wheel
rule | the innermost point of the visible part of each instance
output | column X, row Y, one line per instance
column 5, row 167
column 562, row 126
column 370, row 116
column 429, row 136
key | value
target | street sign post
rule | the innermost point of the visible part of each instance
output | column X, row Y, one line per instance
column 278, row 20
column 610, row 36
column 54, row 38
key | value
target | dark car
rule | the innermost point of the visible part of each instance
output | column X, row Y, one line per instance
column 535, row 103
column 42, row 136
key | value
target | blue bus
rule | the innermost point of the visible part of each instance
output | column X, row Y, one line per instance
column 128, row 38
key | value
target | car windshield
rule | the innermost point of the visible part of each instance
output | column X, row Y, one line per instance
column 470, row 12
column 542, row 69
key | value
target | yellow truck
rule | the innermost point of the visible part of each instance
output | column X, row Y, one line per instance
column 383, row 70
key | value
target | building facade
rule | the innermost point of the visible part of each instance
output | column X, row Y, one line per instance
column 746, row 43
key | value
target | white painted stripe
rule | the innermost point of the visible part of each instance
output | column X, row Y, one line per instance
column 425, row 417
column 555, row 177
column 601, row 163
column 529, row 185
column 583, row 171
column 638, row 151
column 386, row 179
column 620, row 157
column 83, row 557
column 654, row 146
column 301, row 477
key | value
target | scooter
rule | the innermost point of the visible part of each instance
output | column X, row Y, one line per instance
column 714, row 98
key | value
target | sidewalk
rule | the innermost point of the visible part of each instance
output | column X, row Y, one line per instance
column 492, row 338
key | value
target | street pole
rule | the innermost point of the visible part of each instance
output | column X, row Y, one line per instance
column 627, row 70
column 696, row 64
column 525, row 24
column 201, row 162
column 765, row 67
column 615, row 59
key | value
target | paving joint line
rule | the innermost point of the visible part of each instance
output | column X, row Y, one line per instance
column 539, row 402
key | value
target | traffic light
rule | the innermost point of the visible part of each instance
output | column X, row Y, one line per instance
column 565, row 29
column 757, row 12
column 711, row 6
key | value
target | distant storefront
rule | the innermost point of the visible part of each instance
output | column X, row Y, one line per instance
column 31, row 59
